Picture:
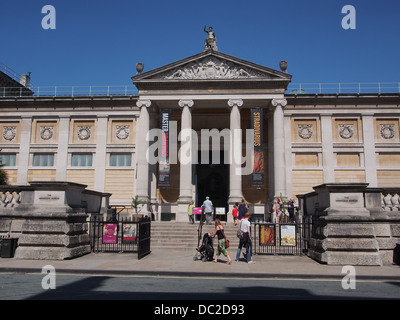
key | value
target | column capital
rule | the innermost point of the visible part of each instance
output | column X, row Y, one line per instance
column 143, row 103
column 235, row 102
column 367, row 114
column 279, row 102
column 186, row 103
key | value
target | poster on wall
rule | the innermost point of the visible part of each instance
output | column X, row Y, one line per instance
column 267, row 234
column 220, row 211
column 287, row 235
column 129, row 233
column 197, row 210
column 258, row 166
column 110, row 233
column 163, row 162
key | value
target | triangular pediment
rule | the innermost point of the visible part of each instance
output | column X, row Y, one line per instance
column 211, row 66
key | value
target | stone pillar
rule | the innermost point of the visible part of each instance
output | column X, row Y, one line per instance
column 100, row 157
column 235, row 175
column 142, row 165
column 185, row 185
column 185, row 159
column 24, row 147
column 154, row 123
column 62, row 152
column 369, row 150
column 279, row 148
column 328, row 160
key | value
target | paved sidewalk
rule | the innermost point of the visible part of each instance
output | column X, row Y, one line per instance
column 181, row 263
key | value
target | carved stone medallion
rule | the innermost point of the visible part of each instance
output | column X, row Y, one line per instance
column 387, row 131
column 346, row 131
column 305, row 131
column 122, row 132
column 9, row 132
column 84, row 132
column 46, row 133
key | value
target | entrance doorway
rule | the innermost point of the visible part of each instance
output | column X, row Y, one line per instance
column 212, row 180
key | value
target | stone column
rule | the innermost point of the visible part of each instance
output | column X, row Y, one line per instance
column 279, row 148
column 369, row 150
column 142, row 165
column 235, row 174
column 328, row 160
column 185, row 159
column 24, row 149
column 185, row 156
column 100, row 157
column 62, row 150
column 154, row 123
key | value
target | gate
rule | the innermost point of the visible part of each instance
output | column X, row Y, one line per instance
column 120, row 236
column 281, row 238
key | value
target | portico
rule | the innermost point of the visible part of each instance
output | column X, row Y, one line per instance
column 212, row 93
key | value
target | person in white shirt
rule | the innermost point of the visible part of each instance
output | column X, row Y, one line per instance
column 246, row 240
column 208, row 209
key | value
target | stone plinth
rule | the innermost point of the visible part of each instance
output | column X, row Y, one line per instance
column 344, row 240
column 55, row 234
column 50, row 219
column 341, row 199
column 350, row 226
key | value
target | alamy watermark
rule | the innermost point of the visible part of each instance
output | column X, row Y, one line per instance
column 49, row 280
column 188, row 153
column 349, row 20
column 349, row 280
column 49, row 20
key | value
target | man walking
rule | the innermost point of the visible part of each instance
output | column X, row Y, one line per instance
column 208, row 209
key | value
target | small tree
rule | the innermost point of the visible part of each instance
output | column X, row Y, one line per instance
column 137, row 204
column 3, row 174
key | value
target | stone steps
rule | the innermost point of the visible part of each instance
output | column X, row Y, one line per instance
column 184, row 236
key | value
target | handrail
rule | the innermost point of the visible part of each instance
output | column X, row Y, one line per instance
column 10, row 72
column 128, row 90
column 72, row 91
column 343, row 88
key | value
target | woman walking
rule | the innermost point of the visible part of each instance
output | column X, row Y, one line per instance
column 219, row 231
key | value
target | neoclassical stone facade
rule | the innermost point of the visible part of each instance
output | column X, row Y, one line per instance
column 103, row 141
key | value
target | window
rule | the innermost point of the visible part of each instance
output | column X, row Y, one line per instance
column 8, row 160
column 120, row 160
column 81, row 160
column 43, row 160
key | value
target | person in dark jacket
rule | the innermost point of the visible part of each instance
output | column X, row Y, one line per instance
column 243, row 208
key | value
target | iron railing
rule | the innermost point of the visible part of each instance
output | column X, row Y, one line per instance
column 68, row 91
column 10, row 72
column 343, row 88
column 120, row 236
column 128, row 90
column 281, row 238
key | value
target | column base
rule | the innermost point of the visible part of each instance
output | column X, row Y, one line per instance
column 181, row 213
column 231, row 202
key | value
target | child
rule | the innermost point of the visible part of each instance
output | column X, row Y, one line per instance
column 235, row 213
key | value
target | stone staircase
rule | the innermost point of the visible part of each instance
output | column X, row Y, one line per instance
column 184, row 236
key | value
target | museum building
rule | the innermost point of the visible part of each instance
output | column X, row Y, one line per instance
column 245, row 135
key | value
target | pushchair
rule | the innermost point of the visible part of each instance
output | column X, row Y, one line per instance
column 206, row 251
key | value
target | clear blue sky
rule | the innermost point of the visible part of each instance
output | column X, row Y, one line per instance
column 99, row 42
